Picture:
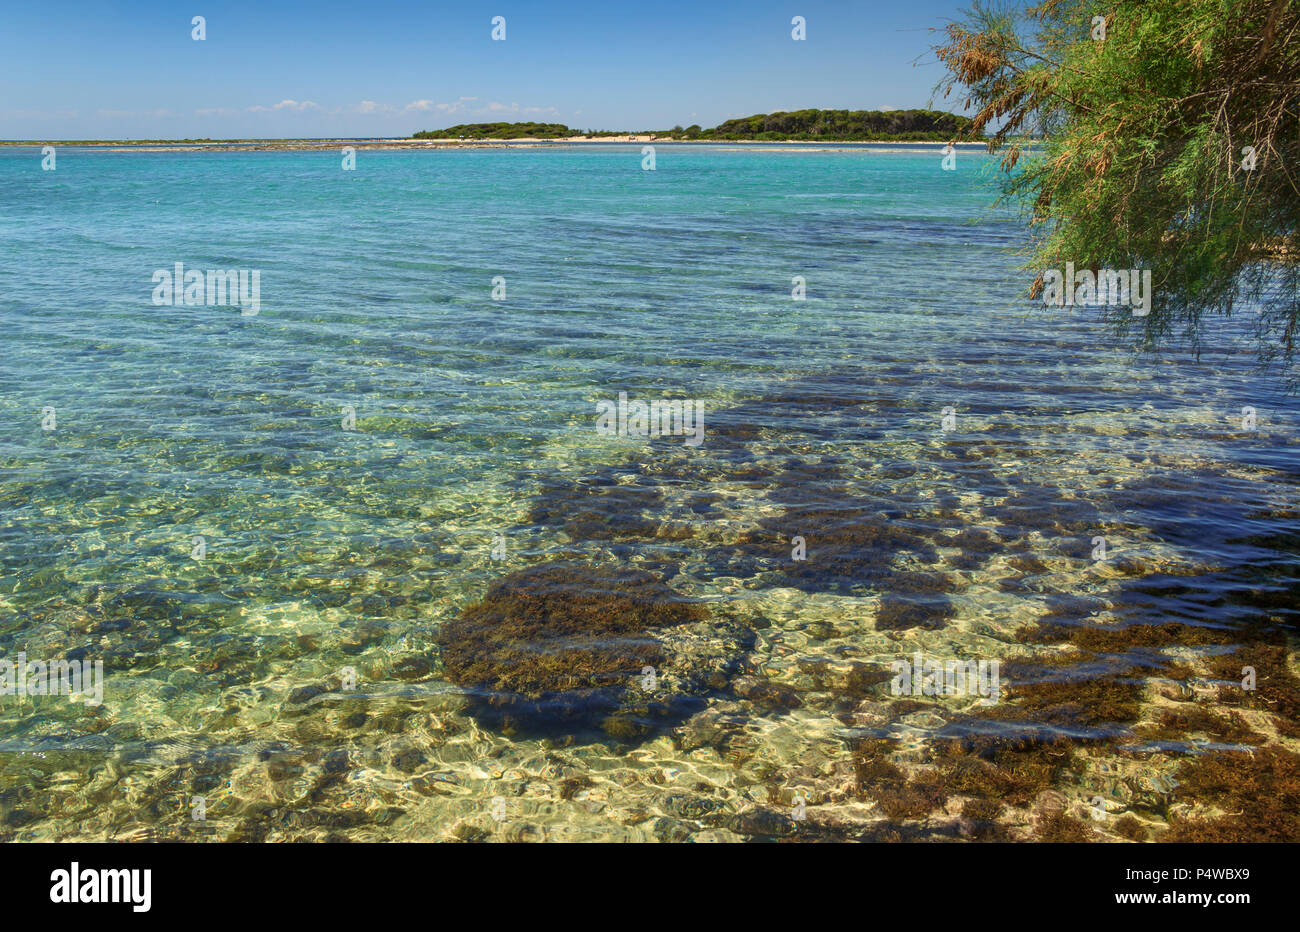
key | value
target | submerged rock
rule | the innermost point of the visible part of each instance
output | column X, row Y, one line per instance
column 762, row 823
column 560, row 647
column 600, row 508
column 899, row 612
column 850, row 545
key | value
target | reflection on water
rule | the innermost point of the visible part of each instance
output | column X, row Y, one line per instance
column 476, row 617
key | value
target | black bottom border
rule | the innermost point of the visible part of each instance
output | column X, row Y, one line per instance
column 935, row 882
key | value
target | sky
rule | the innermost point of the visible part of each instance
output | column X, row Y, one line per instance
column 131, row 69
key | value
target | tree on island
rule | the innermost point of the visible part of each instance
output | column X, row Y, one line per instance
column 845, row 125
column 1162, row 134
column 499, row 131
column 811, row 125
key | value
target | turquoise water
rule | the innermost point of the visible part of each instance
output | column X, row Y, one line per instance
column 329, row 547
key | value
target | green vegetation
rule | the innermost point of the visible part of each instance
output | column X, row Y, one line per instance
column 1166, row 140
column 500, row 131
column 511, row 131
column 813, row 125
column 841, row 126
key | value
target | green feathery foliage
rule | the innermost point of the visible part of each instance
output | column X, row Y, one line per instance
column 1130, row 151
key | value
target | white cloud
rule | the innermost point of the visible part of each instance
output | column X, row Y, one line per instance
column 286, row 104
column 462, row 106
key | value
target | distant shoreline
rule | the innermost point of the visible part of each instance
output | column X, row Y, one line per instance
column 275, row 145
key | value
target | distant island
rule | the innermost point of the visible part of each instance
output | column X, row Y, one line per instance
column 800, row 125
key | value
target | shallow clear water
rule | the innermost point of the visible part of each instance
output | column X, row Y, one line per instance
column 329, row 547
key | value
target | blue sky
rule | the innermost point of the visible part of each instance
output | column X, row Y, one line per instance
column 76, row 70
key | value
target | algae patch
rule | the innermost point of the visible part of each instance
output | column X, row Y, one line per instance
column 562, row 646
